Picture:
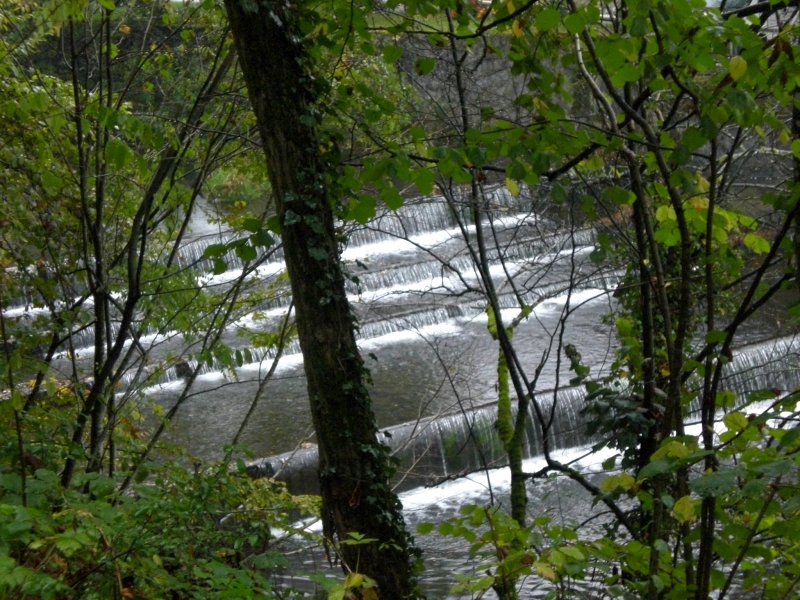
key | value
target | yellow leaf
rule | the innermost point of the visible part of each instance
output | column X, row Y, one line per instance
column 353, row 580
column 510, row 6
column 546, row 571
column 684, row 510
column 516, row 29
column 512, row 186
column 624, row 481
column 737, row 67
column 124, row 28
column 609, row 484
column 672, row 448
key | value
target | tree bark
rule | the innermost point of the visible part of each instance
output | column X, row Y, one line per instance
column 353, row 466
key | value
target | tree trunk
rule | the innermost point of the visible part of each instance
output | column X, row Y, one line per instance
column 353, row 466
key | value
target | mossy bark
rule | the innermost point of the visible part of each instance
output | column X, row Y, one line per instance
column 353, row 466
column 505, row 583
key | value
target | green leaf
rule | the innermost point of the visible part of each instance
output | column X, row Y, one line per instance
column 796, row 148
column 575, row 23
column 548, row 19
column 623, row 481
column 618, row 196
column 102, row 486
column 424, row 180
column 118, row 154
column 656, row 467
column 107, row 4
column 424, row 528
column 756, row 243
column 353, row 580
column 392, row 198
column 763, row 394
column 220, row 266
column 274, row 224
column 361, row 209
column 423, row 66
column 262, row 238
column 735, row 421
column 215, row 250
column 665, row 212
column 51, row 184
column 716, row 483
column 716, row 337
column 391, row 54
column 17, row 399
column 252, row 225
column 573, row 552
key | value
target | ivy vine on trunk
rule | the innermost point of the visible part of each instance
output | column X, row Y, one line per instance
column 353, row 465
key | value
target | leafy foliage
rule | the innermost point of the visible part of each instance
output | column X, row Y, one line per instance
column 111, row 123
column 647, row 113
column 191, row 535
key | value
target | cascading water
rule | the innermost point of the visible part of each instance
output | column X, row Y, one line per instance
column 447, row 446
column 426, row 327
column 418, row 314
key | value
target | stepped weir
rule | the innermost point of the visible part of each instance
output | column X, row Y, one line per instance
column 434, row 449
